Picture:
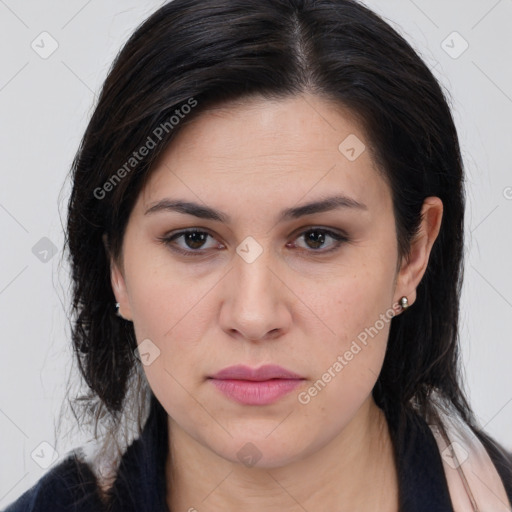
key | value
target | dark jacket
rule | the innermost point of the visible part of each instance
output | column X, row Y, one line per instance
column 140, row 484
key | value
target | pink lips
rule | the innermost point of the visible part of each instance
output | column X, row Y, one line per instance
column 260, row 386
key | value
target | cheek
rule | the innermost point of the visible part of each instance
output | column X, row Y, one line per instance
column 168, row 322
column 356, row 302
column 161, row 296
column 170, row 315
column 347, row 367
column 357, row 310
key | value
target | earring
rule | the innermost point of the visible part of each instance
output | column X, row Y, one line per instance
column 117, row 309
column 404, row 303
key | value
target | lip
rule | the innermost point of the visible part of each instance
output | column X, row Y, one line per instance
column 265, row 372
column 255, row 386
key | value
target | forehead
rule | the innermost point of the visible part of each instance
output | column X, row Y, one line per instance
column 260, row 149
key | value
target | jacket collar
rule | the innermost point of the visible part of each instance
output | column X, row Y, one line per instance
column 422, row 482
column 141, row 482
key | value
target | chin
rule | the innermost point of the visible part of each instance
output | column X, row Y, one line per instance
column 262, row 453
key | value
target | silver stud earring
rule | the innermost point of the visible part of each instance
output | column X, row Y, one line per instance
column 117, row 309
column 404, row 303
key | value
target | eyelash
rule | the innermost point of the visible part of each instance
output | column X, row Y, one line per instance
column 167, row 239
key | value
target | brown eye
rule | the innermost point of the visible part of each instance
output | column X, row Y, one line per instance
column 316, row 239
column 195, row 239
column 193, row 242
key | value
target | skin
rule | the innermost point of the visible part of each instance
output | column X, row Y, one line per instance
column 291, row 306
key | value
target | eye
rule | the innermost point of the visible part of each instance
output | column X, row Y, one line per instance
column 315, row 239
column 193, row 241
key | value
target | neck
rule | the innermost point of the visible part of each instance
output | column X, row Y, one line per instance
column 355, row 471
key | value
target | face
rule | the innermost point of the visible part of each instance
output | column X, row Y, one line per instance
column 311, row 291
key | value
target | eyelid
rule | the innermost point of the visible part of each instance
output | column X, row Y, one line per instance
column 170, row 237
column 339, row 236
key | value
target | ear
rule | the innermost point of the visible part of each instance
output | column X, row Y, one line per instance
column 118, row 283
column 415, row 263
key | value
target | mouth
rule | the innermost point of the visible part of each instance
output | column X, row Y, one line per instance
column 261, row 386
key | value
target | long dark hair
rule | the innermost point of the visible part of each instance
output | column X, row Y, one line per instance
column 192, row 54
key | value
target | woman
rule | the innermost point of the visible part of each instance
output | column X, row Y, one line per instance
column 271, row 193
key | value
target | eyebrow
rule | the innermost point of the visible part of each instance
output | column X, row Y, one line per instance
column 206, row 212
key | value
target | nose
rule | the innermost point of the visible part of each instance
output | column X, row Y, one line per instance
column 256, row 303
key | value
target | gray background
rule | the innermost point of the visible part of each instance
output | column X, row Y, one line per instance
column 45, row 104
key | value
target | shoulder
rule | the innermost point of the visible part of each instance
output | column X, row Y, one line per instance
column 501, row 458
column 69, row 485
